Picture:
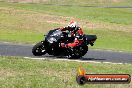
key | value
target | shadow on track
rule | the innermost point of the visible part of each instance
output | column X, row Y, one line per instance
column 81, row 59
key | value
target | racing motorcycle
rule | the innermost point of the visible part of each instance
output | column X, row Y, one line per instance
column 51, row 45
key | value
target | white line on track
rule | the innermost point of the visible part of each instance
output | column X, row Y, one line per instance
column 73, row 60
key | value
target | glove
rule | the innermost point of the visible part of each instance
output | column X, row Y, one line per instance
column 63, row 45
column 67, row 31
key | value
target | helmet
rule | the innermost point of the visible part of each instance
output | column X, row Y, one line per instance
column 73, row 24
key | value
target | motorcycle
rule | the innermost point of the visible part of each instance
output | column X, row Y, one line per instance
column 52, row 41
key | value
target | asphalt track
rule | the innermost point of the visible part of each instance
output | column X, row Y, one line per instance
column 7, row 49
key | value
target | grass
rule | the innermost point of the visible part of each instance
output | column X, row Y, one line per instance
column 90, row 14
column 17, row 72
column 79, row 2
column 26, row 23
column 114, row 41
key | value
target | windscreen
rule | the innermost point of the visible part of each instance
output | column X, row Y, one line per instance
column 54, row 35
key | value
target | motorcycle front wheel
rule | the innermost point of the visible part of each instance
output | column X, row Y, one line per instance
column 39, row 49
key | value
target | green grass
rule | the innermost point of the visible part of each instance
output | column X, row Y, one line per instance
column 16, row 72
column 114, row 40
column 20, row 37
column 118, row 16
column 26, row 23
column 81, row 2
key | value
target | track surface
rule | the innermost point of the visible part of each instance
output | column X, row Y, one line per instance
column 7, row 49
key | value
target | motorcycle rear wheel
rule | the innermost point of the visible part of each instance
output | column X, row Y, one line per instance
column 77, row 52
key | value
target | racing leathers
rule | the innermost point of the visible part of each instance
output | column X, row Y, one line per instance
column 75, row 35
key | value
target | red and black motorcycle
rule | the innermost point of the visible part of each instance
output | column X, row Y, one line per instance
column 51, row 45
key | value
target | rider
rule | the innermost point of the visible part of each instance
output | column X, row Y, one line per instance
column 75, row 32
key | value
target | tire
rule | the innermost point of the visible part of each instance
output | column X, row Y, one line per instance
column 38, row 49
column 77, row 52
column 85, row 50
column 72, row 54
